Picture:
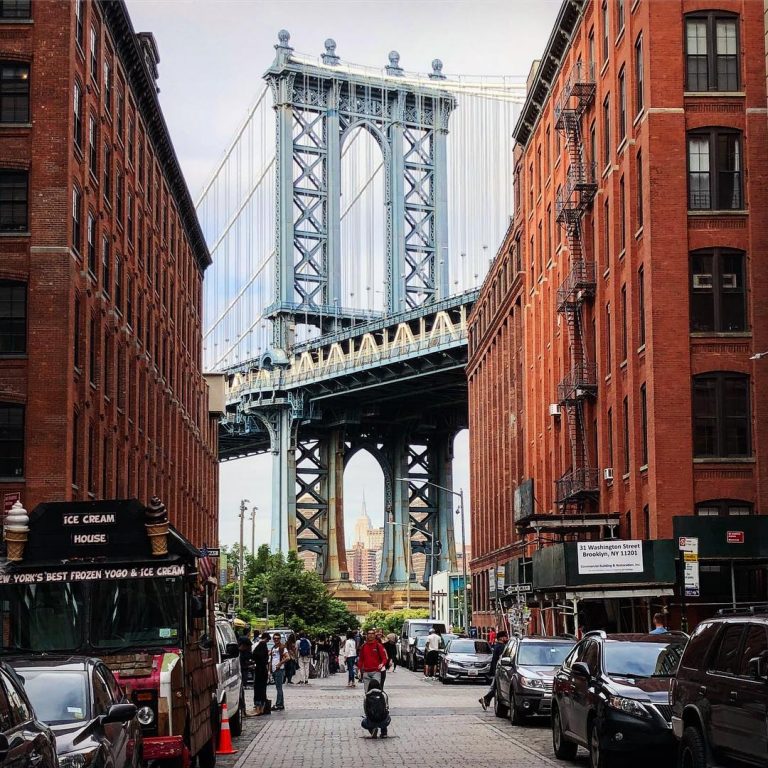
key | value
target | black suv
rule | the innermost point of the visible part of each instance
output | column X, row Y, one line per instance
column 720, row 696
column 612, row 695
column 524, row 676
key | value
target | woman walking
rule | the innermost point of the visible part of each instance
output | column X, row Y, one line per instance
column 349, row 654
column 260, row 659
column 293, row 661
column 278, row 658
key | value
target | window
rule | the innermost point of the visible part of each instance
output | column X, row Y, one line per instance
column 698, row 646
column 593, row 145
column 607, row 130
column 718, row 294
column 622, row 216
column 75, row 446
column 106, row 271
column 606, row 31
column 13, row 201
column 119, row 182
column 755, row 645
column 641, row 304
column 639, row 190
column 624, row 341
column 77, row 220
column 619, row 16
column 91, row 244
column 120, row 116
column 14, row 92
column 93, row 157
column 131, row 135
column 607, row 232
column 77, row 110
column 727, row 659
column 625, row 406
column 724, row 508
column 11, row 440
column 13, row 318
column 639, row 81
column 721, row 415
column 591, row 53
column 610, row 437
column 76, row 336
column 711, row 52
column 79, row 10
column 644, row 425
column 714, row 170
column 15, row 9
column 106, row 378
column 622, row 106
column 608, row 343
column 94, row 55
column 129, row 302
column 107, row 172
column 118, row 283
column 107, row 86
column 129, row 216
column 91, row 450
column 92, row 373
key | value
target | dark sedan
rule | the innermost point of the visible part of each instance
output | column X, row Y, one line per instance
column 24, row 740
column 81, row 701
column 524, row 676
column 611, row 695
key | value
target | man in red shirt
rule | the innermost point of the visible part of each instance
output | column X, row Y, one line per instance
column 372, row 659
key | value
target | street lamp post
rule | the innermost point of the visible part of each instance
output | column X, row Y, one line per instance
column 265, row 600
column 459, row 511
column 243, row 502
column 253, row 531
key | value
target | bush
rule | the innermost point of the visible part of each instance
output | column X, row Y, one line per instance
column 392, row 621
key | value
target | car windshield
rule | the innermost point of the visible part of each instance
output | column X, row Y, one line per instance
column 543, row 654
column 42, row 617
column 57, row 696
column 421, row 641
column 642, row 659
column 469, row 646
column 144, row 612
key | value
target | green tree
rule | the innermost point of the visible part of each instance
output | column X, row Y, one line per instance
column 392, row 621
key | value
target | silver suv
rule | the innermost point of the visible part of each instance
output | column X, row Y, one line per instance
column 229, row 676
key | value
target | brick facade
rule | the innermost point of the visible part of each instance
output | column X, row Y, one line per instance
column 640, row 234
column 115, row 404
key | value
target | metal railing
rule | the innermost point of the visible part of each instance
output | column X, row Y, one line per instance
column 578, row 285
column 577, row 484
column 579, row 383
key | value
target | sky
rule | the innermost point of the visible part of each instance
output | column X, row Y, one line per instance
column 212, row 56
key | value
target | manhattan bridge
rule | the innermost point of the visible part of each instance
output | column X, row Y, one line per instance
column 351, row 223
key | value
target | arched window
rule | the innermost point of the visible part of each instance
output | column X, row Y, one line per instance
column 721, row 415
column 711, row 52
column 715, row 170
column 724, row 508
column 718, row 294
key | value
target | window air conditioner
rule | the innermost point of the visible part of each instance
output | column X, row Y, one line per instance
column 702, row 281
column 554, row 409
column 608, row 474
column 729, row 280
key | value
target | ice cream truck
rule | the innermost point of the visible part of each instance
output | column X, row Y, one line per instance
column 113, row 579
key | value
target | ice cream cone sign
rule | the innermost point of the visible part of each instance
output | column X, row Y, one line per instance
column 156, row 516
column 16, row 531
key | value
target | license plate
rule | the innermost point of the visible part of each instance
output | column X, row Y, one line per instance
column 472, row 672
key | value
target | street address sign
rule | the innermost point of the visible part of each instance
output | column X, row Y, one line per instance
column 513, row 589
column 734, row 537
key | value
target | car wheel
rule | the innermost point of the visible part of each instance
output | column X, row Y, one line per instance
column 693, row 751
column 516, row 717
column 598, row 757
column 236, row 722
column 563, row 749
column 499, row 708
column 206, row 757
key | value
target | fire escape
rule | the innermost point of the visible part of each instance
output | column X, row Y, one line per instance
column 580, row 484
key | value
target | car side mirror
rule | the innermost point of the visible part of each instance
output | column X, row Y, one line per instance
column 5, row 747
column 505, row 662
column 232, row 650
column 581, row 670
column 119, row 713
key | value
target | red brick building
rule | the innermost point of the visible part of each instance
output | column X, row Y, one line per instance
column 101, row 269
column 611, row 387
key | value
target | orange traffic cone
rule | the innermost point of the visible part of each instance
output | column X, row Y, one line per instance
column 225, row 737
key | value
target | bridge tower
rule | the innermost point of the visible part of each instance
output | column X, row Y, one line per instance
column 317, row 106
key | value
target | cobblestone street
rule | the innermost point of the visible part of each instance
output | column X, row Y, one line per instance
column 320, row 728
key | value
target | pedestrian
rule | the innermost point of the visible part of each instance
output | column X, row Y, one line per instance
column 293, row 661
column 376, row 710
column 245, row 650
column 390, row 645
column 323, row 656
column 305, row 658
column 349, row 654
column 371, row 660
column 492, row 636
column 260, row 665
column 498, row 647
column 659, row 624
column 431, row 654
column 335, row 649
column 278, row 658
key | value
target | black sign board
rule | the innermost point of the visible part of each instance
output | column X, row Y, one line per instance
column 524, row 500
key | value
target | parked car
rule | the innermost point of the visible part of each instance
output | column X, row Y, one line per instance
column 25, row 740
column 465, row 659
column 524, row 675
column 612, row 695
column 230, row 677
column 720, row 695
column 415, row 658
column 87, row 710
column 412, row 630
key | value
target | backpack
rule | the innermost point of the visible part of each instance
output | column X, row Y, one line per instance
column 376, row 706
column 305, row 647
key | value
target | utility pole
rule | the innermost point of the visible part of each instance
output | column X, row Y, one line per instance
column 464, row 559
column 243, row 502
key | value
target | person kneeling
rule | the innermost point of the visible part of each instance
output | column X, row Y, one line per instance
column 376, row 709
